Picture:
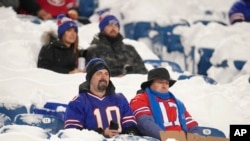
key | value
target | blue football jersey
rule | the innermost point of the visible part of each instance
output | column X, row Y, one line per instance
column 91, row 112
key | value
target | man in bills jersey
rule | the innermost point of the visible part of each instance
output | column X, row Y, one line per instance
column 98, row 107
column 157, row 109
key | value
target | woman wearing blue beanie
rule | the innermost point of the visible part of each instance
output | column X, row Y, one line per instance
column 60, row 52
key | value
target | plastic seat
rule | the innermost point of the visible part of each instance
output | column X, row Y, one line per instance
column 50, row 123
column 142, row 30
column 37, row 132
column 12, row 109
column 204, row 64
column 206, row 22
column 87, row 7
column 183, row 77
column 129, row 30
column 4, row 120
column 205, row 78
column 210, row 131
column 167, row 38
column 137, row 30
column 50, row 108
column 159, row 63
column 239, row 64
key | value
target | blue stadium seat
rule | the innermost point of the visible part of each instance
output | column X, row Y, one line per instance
column 12, row 109
column 158, row 63
column 204, row 64
column 167, row 38
column 50, row 123
column 37, row 132
column 223, row 64
column 183, row 77
column 4, row 120
column 209, row 80
column 54, row 105
column 50, row 108
column 205, row 78
column 137, row 30
column 129, row 30
column 210, row 131
column 206, row 22
column 239, row 64
column 142, row 30
column 87, row 7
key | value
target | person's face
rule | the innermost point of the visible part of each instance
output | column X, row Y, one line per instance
column 69, row 36
column 160, row 85
column 111, row 30
column 100, row 80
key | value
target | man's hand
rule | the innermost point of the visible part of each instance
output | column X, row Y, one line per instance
column 73, row 14
column 44, row 15
column 109, row 133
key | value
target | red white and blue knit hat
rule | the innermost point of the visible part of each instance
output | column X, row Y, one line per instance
column 64, row 23
column 107, row 18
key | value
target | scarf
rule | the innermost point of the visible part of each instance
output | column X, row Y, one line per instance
column 156, row 111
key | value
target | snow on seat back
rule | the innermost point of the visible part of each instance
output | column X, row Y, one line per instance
column 49, row 123
column 12, row 108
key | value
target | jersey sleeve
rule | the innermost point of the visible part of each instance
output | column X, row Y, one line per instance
column 190, row 122
column 127, row 117
column 74, row 116
column 140, row 105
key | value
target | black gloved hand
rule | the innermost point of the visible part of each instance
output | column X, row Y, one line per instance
column 99, row 130
column 131, row 130
column 113, row 125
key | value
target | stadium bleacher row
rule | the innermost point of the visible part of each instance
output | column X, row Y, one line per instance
column 166, row 38
column 50, row 118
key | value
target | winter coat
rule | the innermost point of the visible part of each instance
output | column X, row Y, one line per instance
column 55, row 56
column 121, row 58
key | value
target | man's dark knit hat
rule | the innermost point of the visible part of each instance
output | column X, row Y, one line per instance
column 94, row 65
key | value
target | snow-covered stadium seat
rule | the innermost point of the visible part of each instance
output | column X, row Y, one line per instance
column 136, row 30
column 239, row 64
column 4, row 120
column 205, row 78
column 160, row 63
column 167, row 38
column 50, row 123
column 206, row 22
column 210, row 131
column 50, row 108
column 37, row 133
column 204, row 64
column 12, row 109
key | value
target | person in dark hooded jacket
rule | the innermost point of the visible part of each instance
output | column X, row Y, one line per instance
column 98, row 107
column 240, row 11
column 60, row 54
column 108, row 44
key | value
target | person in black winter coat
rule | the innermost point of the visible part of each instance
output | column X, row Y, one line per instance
column 108, row 44
column 60, row 54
